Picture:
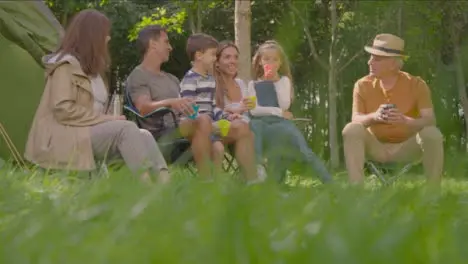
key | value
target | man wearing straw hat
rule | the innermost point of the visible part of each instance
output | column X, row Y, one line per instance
column 392, row 117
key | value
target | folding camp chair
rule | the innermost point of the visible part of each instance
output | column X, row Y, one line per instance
column 176, row 151
column 229, row 163
column 388, row 173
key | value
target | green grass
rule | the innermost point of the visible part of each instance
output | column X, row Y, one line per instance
column 64, row 219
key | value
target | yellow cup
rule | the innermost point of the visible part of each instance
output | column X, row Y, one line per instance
column 253, row 98
column 224, row 126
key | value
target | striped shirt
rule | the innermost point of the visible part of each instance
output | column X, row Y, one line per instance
column 202, row 89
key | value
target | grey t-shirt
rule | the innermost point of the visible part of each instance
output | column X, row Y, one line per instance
column 158, row 87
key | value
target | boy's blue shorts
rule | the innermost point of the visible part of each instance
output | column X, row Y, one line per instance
column 215, row 138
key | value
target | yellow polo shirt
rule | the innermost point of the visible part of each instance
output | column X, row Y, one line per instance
column 410, row 94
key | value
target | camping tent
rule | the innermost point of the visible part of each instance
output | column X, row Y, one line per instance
column 28, row 30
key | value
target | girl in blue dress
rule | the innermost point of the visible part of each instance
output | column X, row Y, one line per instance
column 276, row 136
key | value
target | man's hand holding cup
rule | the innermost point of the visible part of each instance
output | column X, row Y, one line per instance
column 394, row 116
column 183, row 105
column 389, row 113
column 382, row 112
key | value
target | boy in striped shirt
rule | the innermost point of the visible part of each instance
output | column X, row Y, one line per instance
column 199, row 83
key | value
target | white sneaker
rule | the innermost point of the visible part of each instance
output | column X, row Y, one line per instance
column 261, row 173
column 164, row 176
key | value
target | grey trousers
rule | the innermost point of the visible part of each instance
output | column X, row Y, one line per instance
column 123, row 139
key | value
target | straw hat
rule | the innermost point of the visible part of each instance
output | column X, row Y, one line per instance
column 387, row 45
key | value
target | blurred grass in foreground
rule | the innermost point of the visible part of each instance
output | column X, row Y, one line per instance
column 64, row 219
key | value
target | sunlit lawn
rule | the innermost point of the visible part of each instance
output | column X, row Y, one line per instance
column 72, row 219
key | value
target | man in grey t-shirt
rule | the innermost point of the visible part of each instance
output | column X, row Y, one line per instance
column 158, row 87
column 150, row 89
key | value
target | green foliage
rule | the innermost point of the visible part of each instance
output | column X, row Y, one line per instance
column 160, row 16
column 64, row 9
column 124, row 54
column 103, row 3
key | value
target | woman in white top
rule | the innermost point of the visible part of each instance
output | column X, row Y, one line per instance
column 231, row 91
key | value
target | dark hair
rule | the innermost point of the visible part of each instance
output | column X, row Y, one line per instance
column 199, row 42
column 151, row 32
column 219, row 77
column 85, row 39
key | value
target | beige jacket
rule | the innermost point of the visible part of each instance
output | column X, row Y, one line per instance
column 59, row 137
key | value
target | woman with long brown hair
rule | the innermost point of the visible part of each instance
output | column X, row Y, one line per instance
column 230, row 90
column 71, row 127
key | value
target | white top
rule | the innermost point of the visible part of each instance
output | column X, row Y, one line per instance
column 234, row 105
column 100, row 93
column 283, row 91
column 244, row 92
column 97, row 84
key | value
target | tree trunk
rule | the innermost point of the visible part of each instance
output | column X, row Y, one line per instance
column 332, row 114
column 400, row 18
column 191, row 20
column 242, row 25
column 199, row 16
column 195, row 17
column 64, row 18
column 456, row 29
column 461, row 87
column 322, row 116
column 460, row 76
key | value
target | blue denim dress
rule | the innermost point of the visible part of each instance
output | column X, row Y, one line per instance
column 280, row 141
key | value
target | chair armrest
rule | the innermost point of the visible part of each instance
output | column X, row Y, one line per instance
column 302, row 119
column 162, row 111
column 131, row 110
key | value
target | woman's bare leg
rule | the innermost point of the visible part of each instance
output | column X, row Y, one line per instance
column 243, row 138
